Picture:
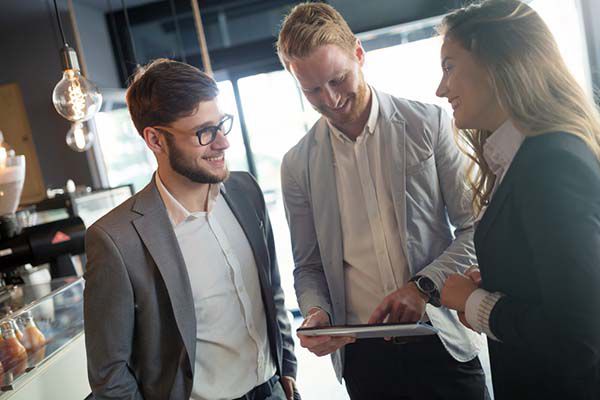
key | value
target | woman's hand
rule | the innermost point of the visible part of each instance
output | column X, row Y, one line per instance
column 473, row 273
column 456, row 291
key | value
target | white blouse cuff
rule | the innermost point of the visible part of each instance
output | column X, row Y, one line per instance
column 478, row 310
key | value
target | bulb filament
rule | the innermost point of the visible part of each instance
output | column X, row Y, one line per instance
column 76, row 97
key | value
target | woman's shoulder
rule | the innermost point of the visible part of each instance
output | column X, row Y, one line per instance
column 555, row 141
column 554, row 154
column 549, row 146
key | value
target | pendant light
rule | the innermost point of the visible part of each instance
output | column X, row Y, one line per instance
column 74, row 97
column 80, row 137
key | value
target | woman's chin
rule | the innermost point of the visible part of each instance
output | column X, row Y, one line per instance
column 462, row 124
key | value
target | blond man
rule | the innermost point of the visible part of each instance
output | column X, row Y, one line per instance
column 378, row 218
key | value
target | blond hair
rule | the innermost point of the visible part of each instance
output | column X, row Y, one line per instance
column 528, row 75
column 309, row 26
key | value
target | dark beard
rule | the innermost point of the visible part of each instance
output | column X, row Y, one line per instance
column 194, row 174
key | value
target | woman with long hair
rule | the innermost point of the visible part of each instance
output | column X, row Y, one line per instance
column 533, row 137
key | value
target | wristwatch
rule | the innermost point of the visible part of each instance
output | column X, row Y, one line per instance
column 428, row 288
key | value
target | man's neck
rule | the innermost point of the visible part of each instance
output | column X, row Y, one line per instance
column 353, row 129
column 193, row 196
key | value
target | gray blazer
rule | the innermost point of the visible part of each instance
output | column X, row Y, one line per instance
column 140, row 323
column 430, row 198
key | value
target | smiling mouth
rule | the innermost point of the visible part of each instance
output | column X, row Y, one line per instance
column 216, row 158
column 340, row 108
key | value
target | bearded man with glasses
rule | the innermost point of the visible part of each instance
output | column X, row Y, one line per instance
column 183, row 297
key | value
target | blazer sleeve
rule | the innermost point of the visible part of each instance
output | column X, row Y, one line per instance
column 108, row 318
column 309, row 277
column 451, row 168
column 557, row 205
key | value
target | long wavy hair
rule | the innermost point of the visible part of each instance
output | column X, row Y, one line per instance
column 528, row 75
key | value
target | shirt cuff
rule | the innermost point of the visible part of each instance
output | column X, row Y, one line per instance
column 478, row 310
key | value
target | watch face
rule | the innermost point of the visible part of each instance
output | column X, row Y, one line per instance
column 426, row 284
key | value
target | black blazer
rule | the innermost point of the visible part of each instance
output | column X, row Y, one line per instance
column 539, row 244
column 140, row 324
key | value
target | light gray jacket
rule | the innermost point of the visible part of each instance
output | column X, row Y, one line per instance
column 432, row 206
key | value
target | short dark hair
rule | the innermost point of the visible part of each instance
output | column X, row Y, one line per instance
column 164, row 90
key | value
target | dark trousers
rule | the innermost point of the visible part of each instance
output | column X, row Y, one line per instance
column 376, row 369
column 270, row 390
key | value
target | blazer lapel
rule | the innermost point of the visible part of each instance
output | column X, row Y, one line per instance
column 254, row 229
column 393, row 138
column 154, row 228
column 326, row 213
column 495, row 205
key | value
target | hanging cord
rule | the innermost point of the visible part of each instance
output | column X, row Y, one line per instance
column 113, row 25
column 128, row 25
column 178, row 36
column 60, row 26
column 77, row 36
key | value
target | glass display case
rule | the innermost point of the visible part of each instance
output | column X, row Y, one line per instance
column 42, row 343
column 86, row 204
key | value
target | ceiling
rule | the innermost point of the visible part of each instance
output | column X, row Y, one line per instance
column 114, row 4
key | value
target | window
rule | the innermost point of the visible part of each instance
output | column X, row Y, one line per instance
column 124, row 155
column 277, row 116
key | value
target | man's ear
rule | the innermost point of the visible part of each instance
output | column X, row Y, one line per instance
column 154, row 140
column 359, row 52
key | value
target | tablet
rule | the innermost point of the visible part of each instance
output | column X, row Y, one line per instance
column 371, row 331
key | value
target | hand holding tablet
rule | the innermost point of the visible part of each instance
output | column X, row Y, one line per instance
column 323, row 344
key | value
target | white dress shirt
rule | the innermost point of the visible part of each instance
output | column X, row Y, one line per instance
column 499, row 150
column 232, row 345
column 374, row 262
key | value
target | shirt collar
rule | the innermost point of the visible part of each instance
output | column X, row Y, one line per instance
column 176, row 211
column 371, row 122
column 502, row 146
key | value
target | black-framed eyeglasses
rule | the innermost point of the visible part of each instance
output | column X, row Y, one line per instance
column 208, row 134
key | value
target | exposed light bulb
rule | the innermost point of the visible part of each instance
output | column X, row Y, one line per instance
column 74, row 97
column 80, row 138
